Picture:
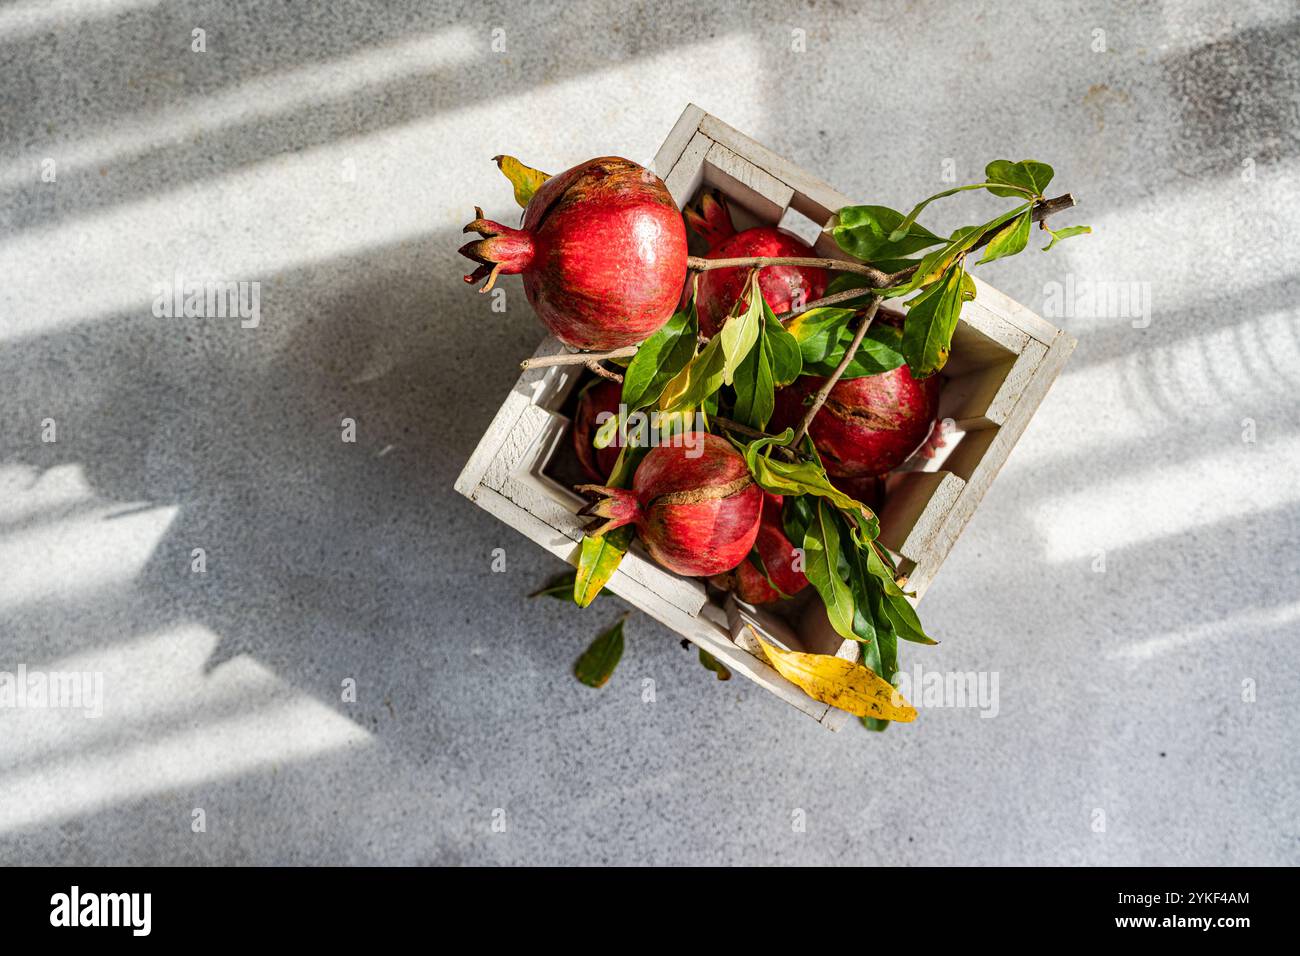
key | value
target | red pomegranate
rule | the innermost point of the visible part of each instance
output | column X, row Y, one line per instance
column 868, row 426
column 599, row 396
column 784, row 287
column 602, row 250
column 779, row 558
column 695, row 505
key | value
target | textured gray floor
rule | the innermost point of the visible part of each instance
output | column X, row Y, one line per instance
column 332, row 152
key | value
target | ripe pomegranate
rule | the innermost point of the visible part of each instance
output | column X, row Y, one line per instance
column 602, row 250
column 784, row 287
column 695, row 506
column 778, row 556
column 599, row 396
column 868, row 426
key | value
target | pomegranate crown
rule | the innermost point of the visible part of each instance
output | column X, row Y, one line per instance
column 501, row 249
column 611, row 507
column 710, row 218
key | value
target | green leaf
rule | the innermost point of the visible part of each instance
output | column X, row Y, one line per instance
column 908, row 223
column 1016, row 179
column 560, row 587
column 700, row 378
column 1066, row 233
column 874, row 656
column 755, row 388
column 880, row 351
column 821, row 545
column 598, row 560
column 740, row 332
column 968, row 289
column 787, row 360
column 717, row 362
column 816, row 331
column 659, row 359
column 894, row 605
column 774, row 360
column 867, row 233
column 931, row 320
column 824, row 333
column 715, row 665
column 878, row 643
column 802, row 478
column 596, row 665
column 524, row 179
column 1009, row 240
column 796, row 514
column 887, row 639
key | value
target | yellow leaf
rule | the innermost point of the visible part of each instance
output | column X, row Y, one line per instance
column 525, row 179
column 840, row 683
column 598, row 559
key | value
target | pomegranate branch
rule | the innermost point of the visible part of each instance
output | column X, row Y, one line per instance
column 1042, row 209
column 578, row 358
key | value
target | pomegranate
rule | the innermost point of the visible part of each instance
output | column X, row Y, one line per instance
column 784, row 287
column 695, row 506
column 602, row 250
column 868, row 426
column 599, row 396
column 778, row 556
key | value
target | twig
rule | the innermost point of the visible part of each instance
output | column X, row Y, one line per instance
column 603, row 372
column 578, row 358
column 762, row 262
column 835, row 298
column 825, row 390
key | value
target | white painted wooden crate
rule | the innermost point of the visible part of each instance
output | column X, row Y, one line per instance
column 1003, row 360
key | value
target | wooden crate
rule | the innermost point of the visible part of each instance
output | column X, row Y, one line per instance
column 1003, row 360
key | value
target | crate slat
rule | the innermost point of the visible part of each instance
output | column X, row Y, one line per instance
column 918, row 504
column 761, row 193
column 686, row 127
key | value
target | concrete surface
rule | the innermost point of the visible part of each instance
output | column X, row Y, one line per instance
column 1131, row 577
